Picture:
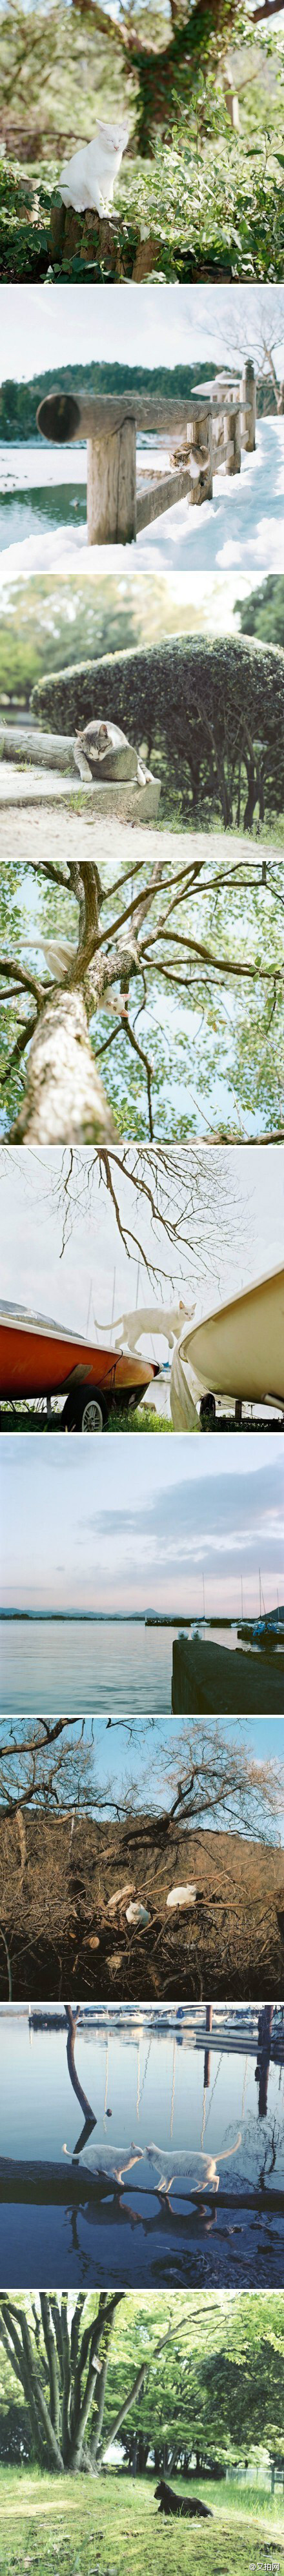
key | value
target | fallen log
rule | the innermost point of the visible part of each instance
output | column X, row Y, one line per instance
column 28, row 2179
column 50, row 750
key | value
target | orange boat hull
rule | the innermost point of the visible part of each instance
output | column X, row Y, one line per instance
column 37, row 1362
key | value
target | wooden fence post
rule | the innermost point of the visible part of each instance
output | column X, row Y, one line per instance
column 248, row 406
column 111, row 486
column 232, row 440
column 200, row 442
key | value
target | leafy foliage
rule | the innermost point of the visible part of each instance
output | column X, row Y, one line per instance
column 196, row 2372
column 210, row 199
column 209, row 715
column 207, row 987
column 263, row 612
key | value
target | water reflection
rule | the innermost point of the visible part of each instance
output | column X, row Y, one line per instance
column 195, row 2102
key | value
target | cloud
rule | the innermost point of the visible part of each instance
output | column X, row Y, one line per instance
column 197, row 1519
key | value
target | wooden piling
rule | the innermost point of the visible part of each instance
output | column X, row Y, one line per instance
column 111, row 486
column 200, row 443
column 248, row 407
column 232, row 440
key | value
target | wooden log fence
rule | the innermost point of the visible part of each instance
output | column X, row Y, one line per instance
column 123, row 498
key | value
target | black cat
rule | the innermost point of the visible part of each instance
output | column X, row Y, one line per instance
column 171, row 2503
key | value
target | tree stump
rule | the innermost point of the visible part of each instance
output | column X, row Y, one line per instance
column 101, row 241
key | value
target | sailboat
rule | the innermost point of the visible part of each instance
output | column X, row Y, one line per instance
column 39, row 1358
column 237, row 1350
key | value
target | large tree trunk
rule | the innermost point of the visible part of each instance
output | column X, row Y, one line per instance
column 64, row 1095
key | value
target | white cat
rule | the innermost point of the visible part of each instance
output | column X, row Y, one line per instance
column 88, row 179
column 168, row 1320
column 184, row 2165
column 112, row 2161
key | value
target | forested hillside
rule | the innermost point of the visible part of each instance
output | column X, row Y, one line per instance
column 19, row 402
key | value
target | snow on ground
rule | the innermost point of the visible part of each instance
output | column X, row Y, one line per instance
column 243, row 527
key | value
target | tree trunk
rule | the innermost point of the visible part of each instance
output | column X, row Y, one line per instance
column 64, row 1095
column 82, row 2097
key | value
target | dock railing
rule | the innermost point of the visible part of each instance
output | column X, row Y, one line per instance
column 203, row 434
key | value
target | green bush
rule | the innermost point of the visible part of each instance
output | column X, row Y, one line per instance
column 218, row 210
column 209, row 715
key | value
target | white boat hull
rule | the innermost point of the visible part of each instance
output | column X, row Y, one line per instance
column 238, row 1350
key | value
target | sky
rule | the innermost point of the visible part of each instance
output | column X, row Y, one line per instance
column 95, row 1280
column 130, row 1525
column 164, row 326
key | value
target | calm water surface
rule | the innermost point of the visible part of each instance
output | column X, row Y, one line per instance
column 64, row 1666
column 69, row 1665
column 141, row 2083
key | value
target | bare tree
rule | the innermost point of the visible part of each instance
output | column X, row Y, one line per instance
column 148, row 941
column 257, row 336
column 212, row 1780
column 172, row 1210
column 44, row 1765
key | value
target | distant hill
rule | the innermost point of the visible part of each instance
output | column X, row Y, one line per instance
column 19, row 402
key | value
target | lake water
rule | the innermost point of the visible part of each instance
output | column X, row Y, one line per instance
column 142, row 2083
column 70, row 1665
column 40, row 490
column 242, row 527
column 65, row 1666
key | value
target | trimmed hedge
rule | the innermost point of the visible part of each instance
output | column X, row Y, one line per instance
column 206, row 711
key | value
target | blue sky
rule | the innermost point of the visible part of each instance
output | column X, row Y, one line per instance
column 124, row 1525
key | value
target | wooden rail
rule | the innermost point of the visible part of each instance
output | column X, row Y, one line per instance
column 204, row 433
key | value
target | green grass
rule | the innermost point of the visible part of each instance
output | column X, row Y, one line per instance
column 78, row 2529
column 145, row 1419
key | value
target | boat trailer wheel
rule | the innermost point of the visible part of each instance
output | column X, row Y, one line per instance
column 84, row 1414
column 92, row 1416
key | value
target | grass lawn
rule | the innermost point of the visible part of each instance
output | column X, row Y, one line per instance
column 75, row 2529
column 145, row 1419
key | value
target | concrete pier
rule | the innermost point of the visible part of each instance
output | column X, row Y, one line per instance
column 224, row 1682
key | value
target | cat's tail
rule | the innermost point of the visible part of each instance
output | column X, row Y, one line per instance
column 230, row 2151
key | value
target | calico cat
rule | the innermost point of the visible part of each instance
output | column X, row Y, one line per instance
column 88, row 179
